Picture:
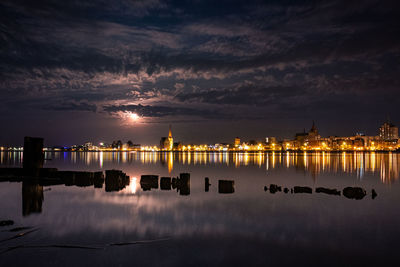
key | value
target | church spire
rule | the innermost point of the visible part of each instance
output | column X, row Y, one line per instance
column 313, row 128
column 170, row 133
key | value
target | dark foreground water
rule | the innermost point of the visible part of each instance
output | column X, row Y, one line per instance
column 86, row 226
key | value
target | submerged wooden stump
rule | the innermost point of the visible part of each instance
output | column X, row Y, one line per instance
column 165, row 183
column 226, row 186
column 116, row 180
column 148, row 182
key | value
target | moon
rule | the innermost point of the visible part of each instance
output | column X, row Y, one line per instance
column 134, row 116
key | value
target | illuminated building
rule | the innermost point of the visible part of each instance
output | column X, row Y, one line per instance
column 270, row 143
column 237, row 141
column 88, row 146
column 178, row 146
column 388, row 132
column 306, row 140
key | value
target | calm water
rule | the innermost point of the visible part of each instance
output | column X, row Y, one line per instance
column 245, row 228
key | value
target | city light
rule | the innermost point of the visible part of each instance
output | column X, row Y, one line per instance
column 306, row 141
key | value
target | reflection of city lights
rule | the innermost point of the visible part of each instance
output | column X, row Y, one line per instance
column 170, row 162
column 101, row 159
column 360, row 164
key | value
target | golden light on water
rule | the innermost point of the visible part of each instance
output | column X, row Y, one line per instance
column 170, row 159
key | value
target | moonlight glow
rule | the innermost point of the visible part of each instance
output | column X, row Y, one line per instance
column 133, row 116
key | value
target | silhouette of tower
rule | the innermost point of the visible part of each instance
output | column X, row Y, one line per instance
column 314, row 129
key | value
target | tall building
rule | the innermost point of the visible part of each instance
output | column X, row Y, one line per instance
column 313, row 133
column 237, row 141
column 388, row 131
column 167, row 143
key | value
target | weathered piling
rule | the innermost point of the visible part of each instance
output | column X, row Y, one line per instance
column 48, row 172
column 115, row 180
column 84, row 179
column 354, row 192
column 5, row 173
column 148, row 182
column 33, row 155
column 98, row 179
column 302, row 190
column 226, row 186
column 32, row 198
column 273, row 188
column 184, row 184
column 206, row 184
column 327, row 191
column 373, row 194
column 174, row 183
column 165, row 183
column 286, row 190
column 68, row 177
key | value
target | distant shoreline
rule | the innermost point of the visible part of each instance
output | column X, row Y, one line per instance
column 218, row 151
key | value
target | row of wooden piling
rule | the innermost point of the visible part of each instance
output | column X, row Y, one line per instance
column 349, row 192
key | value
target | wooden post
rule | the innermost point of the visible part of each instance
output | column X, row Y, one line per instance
column 33, row 155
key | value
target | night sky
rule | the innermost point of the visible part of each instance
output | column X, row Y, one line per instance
column 76, row 71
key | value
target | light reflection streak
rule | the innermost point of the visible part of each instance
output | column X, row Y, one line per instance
column 273, row 160
column 101, row 159
column 170, row 162
column 287, row 160
column 133, row 185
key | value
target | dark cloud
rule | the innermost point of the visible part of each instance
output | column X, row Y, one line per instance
column 74, row 106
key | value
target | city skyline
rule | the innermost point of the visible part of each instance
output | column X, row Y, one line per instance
column 387, row 139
